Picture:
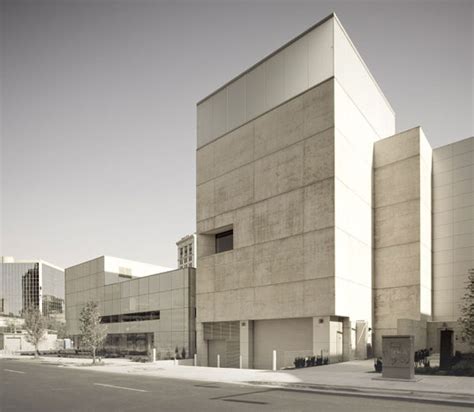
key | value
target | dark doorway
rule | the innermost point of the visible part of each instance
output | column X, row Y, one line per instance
column 446, row 349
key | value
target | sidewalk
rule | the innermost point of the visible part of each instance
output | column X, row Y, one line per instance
column 353, row 378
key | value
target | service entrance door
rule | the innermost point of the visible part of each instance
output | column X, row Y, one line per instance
column 446, row 349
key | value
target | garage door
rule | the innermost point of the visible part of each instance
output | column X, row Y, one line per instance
column 223, row 339
column 289, row 337
column 216, row 347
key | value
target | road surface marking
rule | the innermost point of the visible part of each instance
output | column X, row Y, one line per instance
column 120, row 387
column 11, row 370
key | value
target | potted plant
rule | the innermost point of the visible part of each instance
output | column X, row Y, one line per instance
column 378, row 365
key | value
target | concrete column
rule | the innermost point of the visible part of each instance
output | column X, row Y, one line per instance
column 321, row 338
column 348, row 336
column 361, row 339
column 246, row 343
column 201, row 346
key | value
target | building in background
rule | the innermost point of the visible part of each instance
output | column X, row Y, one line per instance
column 34, row 283
column 144, row 306
column 314, row 218
column 187, row 251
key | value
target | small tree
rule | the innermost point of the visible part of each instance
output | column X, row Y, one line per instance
column 93, row 333
column 35, row 326
column 467, row 312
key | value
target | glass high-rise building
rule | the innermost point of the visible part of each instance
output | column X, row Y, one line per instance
column 32, row 283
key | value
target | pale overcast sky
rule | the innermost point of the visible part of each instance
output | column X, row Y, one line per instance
column 98, row 105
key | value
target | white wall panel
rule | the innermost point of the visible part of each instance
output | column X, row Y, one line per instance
column 296, row 68
column 255, row 92
column 219, row 113
column 204, row 122
column 349, row 296
column 352, row 214
column 320, row 53
column 354, row 77
column 275, row 80
column 236, row 103
column 353, row 125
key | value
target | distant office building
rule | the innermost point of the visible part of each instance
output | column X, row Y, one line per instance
column 31, row 283
column 314, row 219
column 144, row 306
column 187, row 251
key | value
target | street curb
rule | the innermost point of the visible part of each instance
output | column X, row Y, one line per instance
column 454, row 399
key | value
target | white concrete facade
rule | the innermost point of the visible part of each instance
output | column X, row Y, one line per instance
column 330, row 213
column 453, row 226
column 289, row 172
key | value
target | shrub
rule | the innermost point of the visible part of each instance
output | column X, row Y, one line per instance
column 299, row 362
column 378, row 365
column 141, row 359
column 464, row 367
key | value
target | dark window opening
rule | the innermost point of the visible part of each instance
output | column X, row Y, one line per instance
column 131, row 317
column 224, row 241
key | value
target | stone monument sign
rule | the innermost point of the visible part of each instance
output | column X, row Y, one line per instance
column 398, row 353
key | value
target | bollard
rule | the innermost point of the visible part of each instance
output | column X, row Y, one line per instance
column 240, row 362
column 195, row 359
column 274, row 360
column 218, row 361
column 153, row 355
column 174, row 361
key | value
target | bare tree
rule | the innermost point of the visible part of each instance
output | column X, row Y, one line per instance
column 466, row 319
column 93, row 333
column 35, row 326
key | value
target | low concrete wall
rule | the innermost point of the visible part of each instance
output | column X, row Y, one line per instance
column 17, row 343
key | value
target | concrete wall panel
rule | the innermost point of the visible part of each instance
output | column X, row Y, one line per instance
column 289, row 337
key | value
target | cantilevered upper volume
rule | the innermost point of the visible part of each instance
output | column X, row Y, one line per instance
column 320, row 53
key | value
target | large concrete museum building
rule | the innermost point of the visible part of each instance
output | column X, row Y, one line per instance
column 315, row 221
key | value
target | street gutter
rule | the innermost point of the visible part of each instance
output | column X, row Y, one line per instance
column 454, row 399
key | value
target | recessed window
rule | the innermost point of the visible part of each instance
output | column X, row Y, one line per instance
column 224, row 241
column 131, row 317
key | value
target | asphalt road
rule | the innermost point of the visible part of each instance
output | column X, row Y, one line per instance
column 28, row 385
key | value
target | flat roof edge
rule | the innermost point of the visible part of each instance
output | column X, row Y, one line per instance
column 454, row 142
column 319, row 23
column 364, row 64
